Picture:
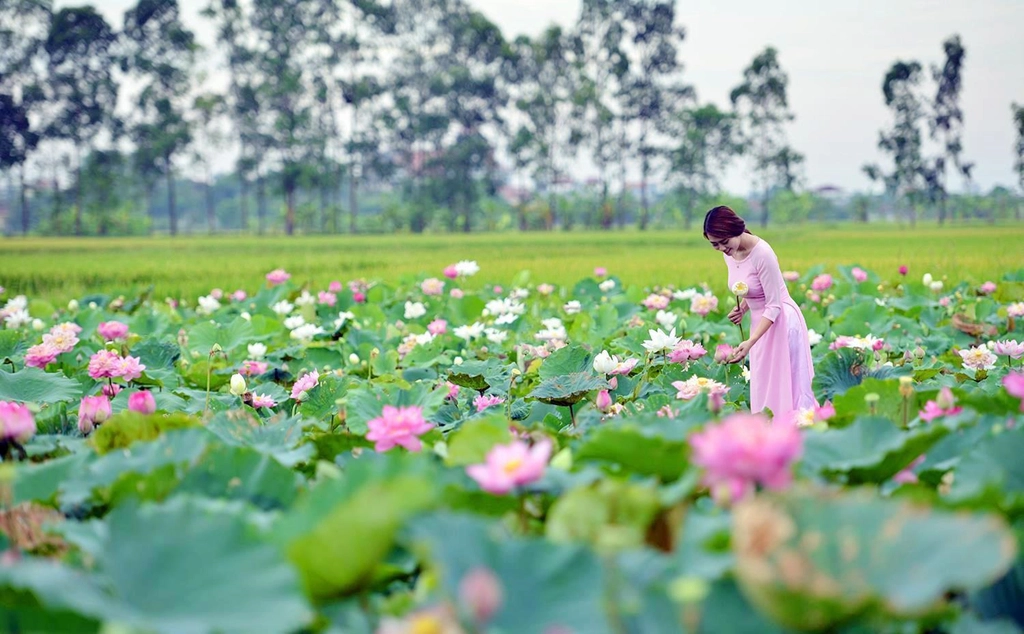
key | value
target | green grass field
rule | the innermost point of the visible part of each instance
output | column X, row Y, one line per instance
column 61, row 268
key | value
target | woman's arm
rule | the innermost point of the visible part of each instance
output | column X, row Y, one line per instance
column 770, row 274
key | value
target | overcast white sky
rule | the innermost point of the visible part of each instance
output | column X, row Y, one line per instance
column 836, row 54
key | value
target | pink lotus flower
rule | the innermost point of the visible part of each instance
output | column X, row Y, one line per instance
column 262, row 400
column 703, row 303
column 437, row 327
column 943, row 405
column 305, row 383
column 41, row 355
column 944, row 301
column 790, row 276
column 334, row 287
column 824, row 412
column 16, row 422
column 456, row 293
column 398, row 426
column 722, row 352
column 129, row 368
column 600, row 271
column 359, row 297
column 603, row 400
column 451, row 272
column 63, row 337
column 112, row 330
column 545, row 289
column 907, row 475
column 432, row 286
column 1009, row 348
column 511, row 465
column 239, row 295
column 103, row 364
column 498, row 290
column 822, row 283
column 278, row 276
column 252, row 368
column 859, row 274
column 110, row 390
column 1014, row 384
column 217, row 293
column 623, row 367
column 988, row 288
column 743, row 451
column 92, row 411
column 142, row 402
column 480, row 592
column 904, row 270
column 483, row 401
column 453, row 391
column 326, row 298
column 686, row 350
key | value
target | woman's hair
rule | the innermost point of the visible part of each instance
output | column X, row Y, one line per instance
column 722, row 222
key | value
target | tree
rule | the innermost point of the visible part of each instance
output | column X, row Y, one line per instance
column 545, row 88
column 160, row 53
column 81, row 90
column 207, row 110
column 23, row 28
column 601, row 66
column 1018, row 162
column 903, row 140
column 763, row 107
column 652, row 91
column 946, row 125
column 285, row 31
column 708, row 140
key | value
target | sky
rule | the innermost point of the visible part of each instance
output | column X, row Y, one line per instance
column 836, row 55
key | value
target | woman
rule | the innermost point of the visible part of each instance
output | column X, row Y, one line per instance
column 780, row 354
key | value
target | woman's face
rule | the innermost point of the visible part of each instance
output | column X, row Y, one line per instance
column 727, row 246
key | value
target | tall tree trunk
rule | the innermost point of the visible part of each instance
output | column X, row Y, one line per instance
column 211, row 217
column 764, row 207
column 172, row 212
column 243, row 185
column 353, row 198
column 261, row 204
column 289, row 201
column 78, row 191
column 25, row 212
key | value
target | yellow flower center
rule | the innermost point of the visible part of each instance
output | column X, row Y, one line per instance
column 426, row 624
column 511, row 466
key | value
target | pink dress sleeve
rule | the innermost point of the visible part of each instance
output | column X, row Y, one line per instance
column 768, row 272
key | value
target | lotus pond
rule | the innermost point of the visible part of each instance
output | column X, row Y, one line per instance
column 450, row 455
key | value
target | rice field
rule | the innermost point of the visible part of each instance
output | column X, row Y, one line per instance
column 59, row 269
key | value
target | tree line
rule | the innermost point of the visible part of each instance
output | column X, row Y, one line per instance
column 418, row 111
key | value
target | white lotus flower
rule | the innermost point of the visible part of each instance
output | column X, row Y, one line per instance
column 465, row 268
column 572, row 307
column 293, row 322
column 660, row 341
column 237, row 384
column 306, row 332
column 256, row 350
column 414, row 310
column 666, row 318
column 342, row 318
column 469, row 332
column 604, row 363
column 207, row 305
column 283, row 307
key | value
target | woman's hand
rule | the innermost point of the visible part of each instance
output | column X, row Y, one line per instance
column 736, row 314
column 741, row 351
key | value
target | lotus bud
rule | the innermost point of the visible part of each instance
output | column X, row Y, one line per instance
column 353, row 358
column 142, row 402
column 73, row 305
column 906, row 386
column 237, row 384
column 919, row 352
column 945, row 398
column 603, row 401
column 480, row 591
